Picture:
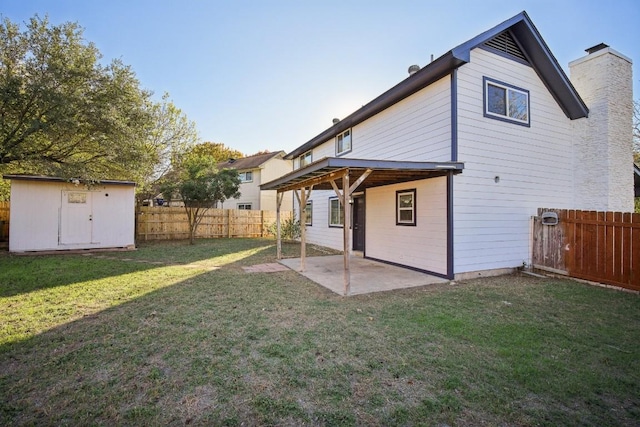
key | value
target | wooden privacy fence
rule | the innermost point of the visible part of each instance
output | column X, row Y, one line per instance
column 169, row 223
column 598, row 246
column 4, row 221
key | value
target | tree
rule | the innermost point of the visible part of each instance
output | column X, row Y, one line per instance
column 62, row 112
column 201, row 185
column 169, row 137
column 220, row 152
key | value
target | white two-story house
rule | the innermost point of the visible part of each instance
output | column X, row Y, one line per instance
column 442, row 172
column 253, row 171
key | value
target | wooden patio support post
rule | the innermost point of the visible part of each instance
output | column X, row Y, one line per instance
column 347, row 233
column 303, row 229
column 279, row 197
column 302, row 202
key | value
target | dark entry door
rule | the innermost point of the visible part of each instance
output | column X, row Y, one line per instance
column 358, row 223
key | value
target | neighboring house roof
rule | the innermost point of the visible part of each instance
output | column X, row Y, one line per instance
column 636, row 180
column 69, row 180
column 250, row 162
column 529, row 41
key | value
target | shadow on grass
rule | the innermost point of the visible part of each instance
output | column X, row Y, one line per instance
column 223, row 347
column 24, row 274
column 178, row 354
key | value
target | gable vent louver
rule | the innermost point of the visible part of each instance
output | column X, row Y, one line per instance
column 505, row 43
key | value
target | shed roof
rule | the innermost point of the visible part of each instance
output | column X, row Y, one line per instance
column 250, row 162
column 42, row 178
column 532, row 45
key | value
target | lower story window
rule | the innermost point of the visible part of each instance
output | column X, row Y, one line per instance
column 308, row 209
column 336, row 213
column 244, row 206
column 406, row 207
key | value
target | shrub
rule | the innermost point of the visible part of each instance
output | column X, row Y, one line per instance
column 289, row 229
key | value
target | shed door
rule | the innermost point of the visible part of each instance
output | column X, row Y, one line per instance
column 76, row 217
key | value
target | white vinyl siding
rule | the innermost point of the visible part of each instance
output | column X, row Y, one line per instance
column 423, row 246
column 321, row 234
column 416, row 128
column 249, row 193
column 270, row 170
column 534, row 164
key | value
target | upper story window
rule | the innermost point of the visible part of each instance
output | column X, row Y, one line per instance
column 343, row 142
column 304, row 159
column 246, row 176
column 506, row 102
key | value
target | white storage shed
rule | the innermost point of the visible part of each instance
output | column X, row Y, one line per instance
column 49, row 213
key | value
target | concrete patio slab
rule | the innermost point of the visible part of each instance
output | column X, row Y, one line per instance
column 367, row 276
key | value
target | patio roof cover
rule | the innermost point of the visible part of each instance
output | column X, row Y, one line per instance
column 344, row 176
column 321, row 173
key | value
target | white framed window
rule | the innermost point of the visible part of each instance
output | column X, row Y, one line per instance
column 244, row 206
column 305, row 159
column 336, row 213
column 246, row 176
column 343, row 142
column 308, row 209
column 406, row 207
column 505, row 102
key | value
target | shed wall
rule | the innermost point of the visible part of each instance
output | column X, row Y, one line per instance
column 36, row 209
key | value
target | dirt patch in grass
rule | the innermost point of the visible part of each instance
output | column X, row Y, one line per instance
column 101, row 341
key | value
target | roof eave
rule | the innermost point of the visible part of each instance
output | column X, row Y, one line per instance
column 412, row 84
column 41, row 178
column 540, row 58
column 539, row 55
column 323, row 164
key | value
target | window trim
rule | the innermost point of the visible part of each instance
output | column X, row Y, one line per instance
column 304, row 155
column 238, row 206
column 340, row 153
column 486, row 81
column 413, row 208
column 331, row 199
column 245, row 176
column 309, row 216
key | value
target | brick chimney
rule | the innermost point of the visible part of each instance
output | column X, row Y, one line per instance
column 603, row 151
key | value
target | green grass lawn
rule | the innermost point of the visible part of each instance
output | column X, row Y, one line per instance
column 179, row 334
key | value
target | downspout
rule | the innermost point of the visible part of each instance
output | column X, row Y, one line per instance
column 454, row 158
column 454, row 115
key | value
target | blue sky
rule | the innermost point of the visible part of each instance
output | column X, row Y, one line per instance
column 259, row 75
